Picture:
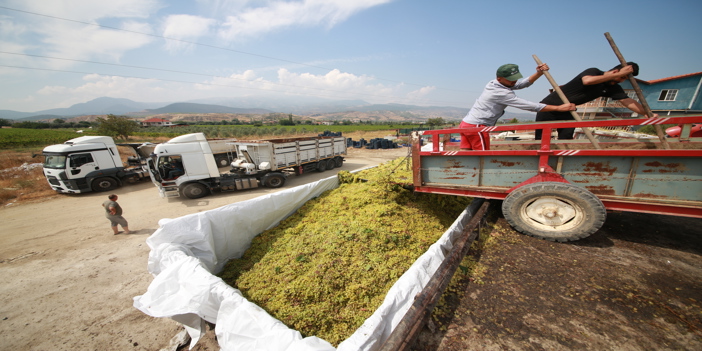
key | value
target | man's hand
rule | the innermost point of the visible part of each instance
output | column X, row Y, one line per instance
column 619, row 74
column 566, row 107
column 626, row 70
column 540, row 69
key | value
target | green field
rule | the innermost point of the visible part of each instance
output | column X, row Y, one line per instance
column 252, row 132
column 14, row 138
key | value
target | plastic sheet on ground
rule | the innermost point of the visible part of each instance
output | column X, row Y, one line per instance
column 187, row 251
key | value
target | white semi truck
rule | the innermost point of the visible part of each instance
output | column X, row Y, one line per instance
column 94, row 163
column 90, row 163
column 185, row 165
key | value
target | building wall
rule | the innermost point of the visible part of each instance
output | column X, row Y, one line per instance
column 687, row 87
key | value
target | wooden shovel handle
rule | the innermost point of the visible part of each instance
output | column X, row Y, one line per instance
column 639, row 93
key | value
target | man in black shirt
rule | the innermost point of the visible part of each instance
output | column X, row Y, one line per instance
column 587, row 86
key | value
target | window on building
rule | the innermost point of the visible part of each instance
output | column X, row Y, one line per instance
column 668, row 95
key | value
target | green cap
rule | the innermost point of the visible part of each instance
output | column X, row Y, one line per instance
column 509, row 71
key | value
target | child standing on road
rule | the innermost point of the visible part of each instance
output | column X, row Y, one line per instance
column 113, row 212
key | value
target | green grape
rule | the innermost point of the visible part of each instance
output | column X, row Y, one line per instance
column 325, row 269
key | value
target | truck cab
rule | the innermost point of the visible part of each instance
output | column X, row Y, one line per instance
column 183, row 160
column 89, row 163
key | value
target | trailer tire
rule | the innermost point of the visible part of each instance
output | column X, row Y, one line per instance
column 554, row 211
column 273, row 180
column 330, row 164
column 104, row 184
column 338, row 161
column 322, row 166
column 195, row 190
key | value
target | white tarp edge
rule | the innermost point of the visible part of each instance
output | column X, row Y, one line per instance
column 186, row 251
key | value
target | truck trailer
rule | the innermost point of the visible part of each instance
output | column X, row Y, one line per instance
column 186, row 166
column 561, row 190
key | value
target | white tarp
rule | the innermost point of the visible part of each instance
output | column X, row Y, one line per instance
column 186, row 252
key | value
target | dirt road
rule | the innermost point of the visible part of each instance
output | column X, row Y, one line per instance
column 67, row 282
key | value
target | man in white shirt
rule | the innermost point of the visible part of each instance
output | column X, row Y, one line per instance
column 497, row 95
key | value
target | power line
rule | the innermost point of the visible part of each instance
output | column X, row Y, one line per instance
column 206, row 45
column 211, row 84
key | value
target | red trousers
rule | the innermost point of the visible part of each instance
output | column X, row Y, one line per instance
column 474, row 141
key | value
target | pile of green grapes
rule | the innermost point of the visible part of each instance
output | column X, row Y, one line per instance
column 326, row 268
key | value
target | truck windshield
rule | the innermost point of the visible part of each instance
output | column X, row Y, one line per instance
column 55, row 161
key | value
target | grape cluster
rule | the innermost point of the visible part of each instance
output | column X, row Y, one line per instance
column 326, row 268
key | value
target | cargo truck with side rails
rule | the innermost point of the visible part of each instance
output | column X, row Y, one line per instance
column 561, row 190
column 185, row 165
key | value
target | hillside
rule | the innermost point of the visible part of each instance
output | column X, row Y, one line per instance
column 315, row 111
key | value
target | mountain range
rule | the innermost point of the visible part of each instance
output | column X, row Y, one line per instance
column 315, row 109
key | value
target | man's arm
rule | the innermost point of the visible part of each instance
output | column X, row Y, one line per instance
column 608, row 76
column 635, row 106
column 113, row 210
column 539, row 72
column 559, row 108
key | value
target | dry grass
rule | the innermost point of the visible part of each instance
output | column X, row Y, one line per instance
column 19, row 180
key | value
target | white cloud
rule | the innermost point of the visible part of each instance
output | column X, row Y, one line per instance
column 421, row 92
column 89, row 10
column 186, row 28
column 62, row 28
column 277, row 15
column 333, row 85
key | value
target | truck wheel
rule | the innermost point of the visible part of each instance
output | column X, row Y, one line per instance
column 338, row 161
column 322, row 166
column 222, row 161
column 554, row 211
column 104, row 184
column 195, row 191
column 331, row 164
column 273, row 180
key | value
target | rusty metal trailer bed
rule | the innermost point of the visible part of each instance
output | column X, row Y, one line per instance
column 561, row 190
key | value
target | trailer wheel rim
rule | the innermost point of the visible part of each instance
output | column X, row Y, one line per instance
column 552, row 213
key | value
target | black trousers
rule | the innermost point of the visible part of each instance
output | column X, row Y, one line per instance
column 563, row 133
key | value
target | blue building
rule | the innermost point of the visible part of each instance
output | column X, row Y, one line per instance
column 667, row 96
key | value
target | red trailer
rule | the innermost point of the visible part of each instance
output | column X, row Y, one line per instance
column 562, row 190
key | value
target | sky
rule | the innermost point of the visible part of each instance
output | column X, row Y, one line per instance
column 429, row 53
